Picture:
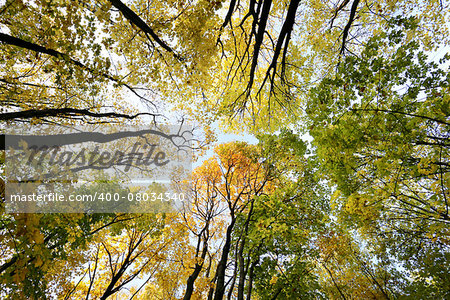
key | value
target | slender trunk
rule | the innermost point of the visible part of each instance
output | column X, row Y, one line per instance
column 242, row 269
column 334, row 282
column 233, row 281
column 250, row 279
column 194, row 275
column 221, row 268
column 211, row 290
column 276, row 294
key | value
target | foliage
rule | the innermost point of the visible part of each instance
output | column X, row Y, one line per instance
column 382, row 136
column 360, row 211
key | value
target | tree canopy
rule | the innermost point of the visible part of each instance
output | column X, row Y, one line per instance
column 345, row 194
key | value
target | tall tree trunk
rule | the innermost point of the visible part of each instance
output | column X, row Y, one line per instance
column 235, row 274
column 221, row 268
column 242, row 271
column 211, row 290
column 242, row 268
column 250, row 278
column 194, row 275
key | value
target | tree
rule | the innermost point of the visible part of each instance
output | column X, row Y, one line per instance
column 203, row 217
column 348, row 268
column 271, row 203
column 242, row 179
column 262, row 223
column 90, row 55
column 57, row 60
column 116, row 259
column 278, row 251
column 381, row 135
column 274, row 51
column 34, row 246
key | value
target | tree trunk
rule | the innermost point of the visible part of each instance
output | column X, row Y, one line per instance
column 194, row 275
column 221, row 268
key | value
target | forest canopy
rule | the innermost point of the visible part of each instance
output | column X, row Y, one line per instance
column 344, row 194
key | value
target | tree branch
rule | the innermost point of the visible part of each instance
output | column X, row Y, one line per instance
column 11, row 40
column 401, row 113
column 349, row 24
column 136, row 20
column 65, row 112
